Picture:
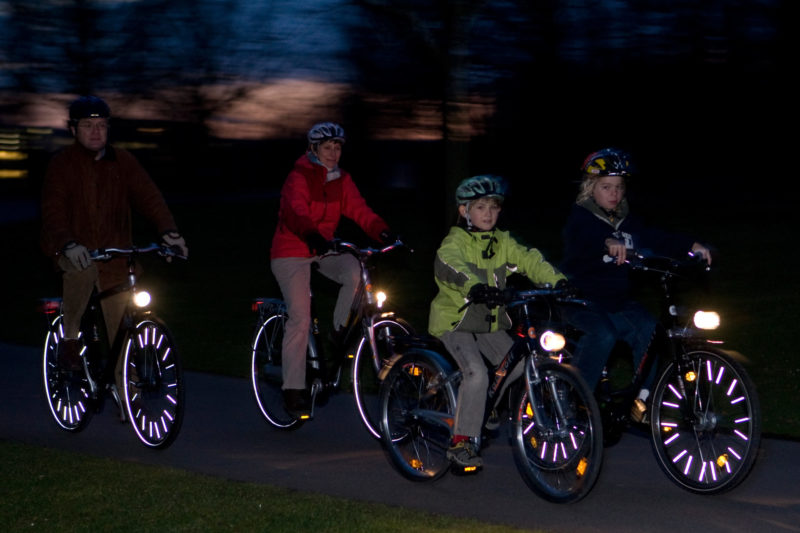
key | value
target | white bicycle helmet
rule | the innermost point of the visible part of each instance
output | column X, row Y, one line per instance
column 325, row 131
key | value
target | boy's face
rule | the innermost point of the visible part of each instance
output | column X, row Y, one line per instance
column 482, row 213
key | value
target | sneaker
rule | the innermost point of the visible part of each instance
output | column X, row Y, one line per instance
column 69, row 357
column 463, row 454
column 639, row 411
column 493, row 422
column 296, row 403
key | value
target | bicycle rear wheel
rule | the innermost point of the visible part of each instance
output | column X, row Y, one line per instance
column 417, row 409
column 153, row 390
column 266, row 372
column 366, row 365
column 558, row 454
column 68, row 393
column 706, row 422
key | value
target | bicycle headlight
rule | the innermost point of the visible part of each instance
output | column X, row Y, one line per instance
column 141, row 298
column 706, row 319
column 552, row 341
column 380, row 297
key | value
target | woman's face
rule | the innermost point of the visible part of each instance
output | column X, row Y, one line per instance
column 609, row 191
column 329, row 153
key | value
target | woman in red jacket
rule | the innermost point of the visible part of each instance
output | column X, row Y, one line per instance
column 316, row 194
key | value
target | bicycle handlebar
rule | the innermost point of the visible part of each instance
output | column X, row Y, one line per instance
column 512, row 297
column 645, row 260
column 340, row 246
column 104, row 254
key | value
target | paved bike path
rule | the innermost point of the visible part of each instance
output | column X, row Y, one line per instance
column 223, row 435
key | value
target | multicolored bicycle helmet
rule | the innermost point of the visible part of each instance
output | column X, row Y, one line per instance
column 88, row 107
column 482, row 186
column 325, row 131
column 607, row 162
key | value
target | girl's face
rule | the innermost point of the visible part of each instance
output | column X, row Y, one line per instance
column 482, row 213
column 329, row 153
column 609, row 191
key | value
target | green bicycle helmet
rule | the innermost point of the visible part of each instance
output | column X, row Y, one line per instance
column 482, row 186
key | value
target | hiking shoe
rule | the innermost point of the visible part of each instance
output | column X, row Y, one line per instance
column 463, row 454
column 69, row 357
column 296, row 403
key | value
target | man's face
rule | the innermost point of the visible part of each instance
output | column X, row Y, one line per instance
column 92, row 133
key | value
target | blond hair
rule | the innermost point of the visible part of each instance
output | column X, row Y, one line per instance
column 586, row 188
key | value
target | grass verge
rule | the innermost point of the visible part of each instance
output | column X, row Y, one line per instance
column 52, row 490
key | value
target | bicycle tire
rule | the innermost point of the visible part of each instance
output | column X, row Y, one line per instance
column 68, row 394
column 706, row 422
column 266, row 372
column 417, row 409
column 366, row 365
column 560, row 460
column 152, row 383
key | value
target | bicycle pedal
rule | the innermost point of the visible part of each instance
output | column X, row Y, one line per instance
column 459, row 470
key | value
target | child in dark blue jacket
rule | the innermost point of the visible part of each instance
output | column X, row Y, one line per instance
column 599, row 225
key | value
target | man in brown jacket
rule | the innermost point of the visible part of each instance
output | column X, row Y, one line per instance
column 89, row 191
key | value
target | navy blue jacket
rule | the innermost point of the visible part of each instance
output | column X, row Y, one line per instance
column 604, row 283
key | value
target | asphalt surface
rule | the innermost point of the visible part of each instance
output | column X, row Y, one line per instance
column 224, row 435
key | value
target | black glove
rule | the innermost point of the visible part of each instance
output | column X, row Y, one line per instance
column 317, row 244
column 388, row 237
column 568, row 288
column 484, row 294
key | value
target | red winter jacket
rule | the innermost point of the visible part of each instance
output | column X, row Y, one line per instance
column 309, row 204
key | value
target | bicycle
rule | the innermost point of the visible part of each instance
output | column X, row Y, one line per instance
column 368, row 337
column 704, row 412
column 556, row 431
column 152, row 396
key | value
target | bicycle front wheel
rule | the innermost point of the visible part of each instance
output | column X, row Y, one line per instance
column 706, row 422
column 417, row 410
column 266, row 372
column 152, row 384
column 366, row 365
column 68, row 393
column 557, row 435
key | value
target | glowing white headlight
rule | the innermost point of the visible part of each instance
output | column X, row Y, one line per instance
column 380, row 297
column 552, row 341
column 706, row 319
column 141, row 299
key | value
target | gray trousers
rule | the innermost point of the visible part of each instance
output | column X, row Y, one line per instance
column 466, row 349
column 294, row 279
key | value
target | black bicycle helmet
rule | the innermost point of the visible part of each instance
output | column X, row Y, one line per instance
column 607, row 162
column 88, row 107
column 482, row 186
column 325, row 131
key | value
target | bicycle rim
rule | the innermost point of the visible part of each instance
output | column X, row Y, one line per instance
column 153, row 390
column 417, row 409
column 67, row 393
column 559, row 458
column 266, row 373
column 706, row 422
column 366, row 365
